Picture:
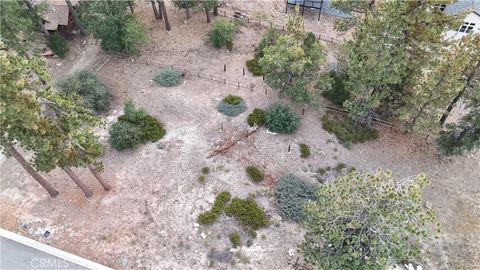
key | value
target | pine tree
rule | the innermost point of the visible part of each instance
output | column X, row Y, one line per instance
column 16, row 25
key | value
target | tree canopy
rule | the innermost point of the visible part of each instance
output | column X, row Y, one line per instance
column 366, row 221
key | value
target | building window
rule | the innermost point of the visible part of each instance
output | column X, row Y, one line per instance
column 466, row 27
column 441, row 7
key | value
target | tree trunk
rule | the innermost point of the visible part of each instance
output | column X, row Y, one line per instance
column 187, row 9
column 160, row 16
column 97, row 175
column 40, row 23
column 215, row 11
column 445, row 115
column 130, row 4
column 208, row 15
column 155, row 10
column 77, row 181
column 163, row 9
column 14, row 153
column 75, row 17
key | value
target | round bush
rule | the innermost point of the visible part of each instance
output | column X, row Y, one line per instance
column 232, row 106
column 222, row 33
column 280, row 119
column 124, row 135
column 168, row 77
column 292, row 193
column 304, row 151
column 152, row 129
column 256, row 117
column 83, row 82
column 255, row 174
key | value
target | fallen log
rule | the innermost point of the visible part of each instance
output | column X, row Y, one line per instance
column 222, row 148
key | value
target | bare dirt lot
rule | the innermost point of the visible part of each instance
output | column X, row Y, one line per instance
column 148, row 220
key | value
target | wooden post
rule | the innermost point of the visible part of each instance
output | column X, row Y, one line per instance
column 224, row 67
column 221, row 127
column 303, row 111
column 265, row 91
column 263, row 77
column 238, row 84
column 289, row 148
column 243, row 72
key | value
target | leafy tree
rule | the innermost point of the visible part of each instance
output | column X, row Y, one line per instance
column 108, row 21
column 208, row 5
column 221, row 33
column 357, row 10
column 17, row 24
column 55, row 127
column 464, row 136
column 391, row 48
column 445, row 81
column 366, row 221
column 292, row 64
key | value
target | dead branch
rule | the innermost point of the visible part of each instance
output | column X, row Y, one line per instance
column 222, row 148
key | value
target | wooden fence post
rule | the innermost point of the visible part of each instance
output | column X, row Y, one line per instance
column 238, row 84
column 243, row 72
column 224, row 67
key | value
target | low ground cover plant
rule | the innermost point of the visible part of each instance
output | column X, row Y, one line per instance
column 209, row 217
column 235, row 239
column 304, row 150
column 255, row 174
column 232, row 106
column 95, row 94
column 58, row 44
column 280, row 119
column 347, row 131
column 291, row 194
column 168, row 77
column 256, row 117
column 221, row 33
column 247, row 213
column 134, row 127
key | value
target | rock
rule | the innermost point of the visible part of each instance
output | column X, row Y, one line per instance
column 203, row 235
column 196, row 225
column 291, row 252
column 124, row 261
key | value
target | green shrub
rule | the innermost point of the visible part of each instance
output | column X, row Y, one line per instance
column 322, row 171
column 247, row 213
column 232, row 100
column 86, row 84
column 168, row 77
column 152, row 129
column 255, row 174
column 201, row 179
column 304, row 151
column 256, row 117
column 205, row 170
column 338, row 93
column 292, row 193
column 340, row 167
column 231, row 106
column 209, row 217
column 58, row 44
column 124, row 135
column 235, row 239
column 254, row 67
column 279, row 118
column 268, row 39
column 222, row 33
column 346, row 130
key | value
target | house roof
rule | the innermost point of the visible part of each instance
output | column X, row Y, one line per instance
column 56, row 14
column 464, row 5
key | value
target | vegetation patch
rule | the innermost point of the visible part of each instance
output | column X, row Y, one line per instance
column 256, row 117
column 254, row 67
column 255, row 174
column 232, row 106
column 58, row 44
column 202, row 179
column 134, row 127
column 304, row 151
column 292, row 193
column 347, row 131
column 235, row 239
column 206, row 170
column 221, row 33
column 340, row 167
column 86, row 84
column 338, row 93
column 168, row 77
column 209, row 217
column 279, row 118
column 247, row 213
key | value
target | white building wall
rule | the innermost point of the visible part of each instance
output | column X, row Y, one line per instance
column 473, row 17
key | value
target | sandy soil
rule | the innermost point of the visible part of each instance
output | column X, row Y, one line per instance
column 148, row 220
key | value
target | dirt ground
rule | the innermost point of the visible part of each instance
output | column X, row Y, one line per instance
column 148, row 220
